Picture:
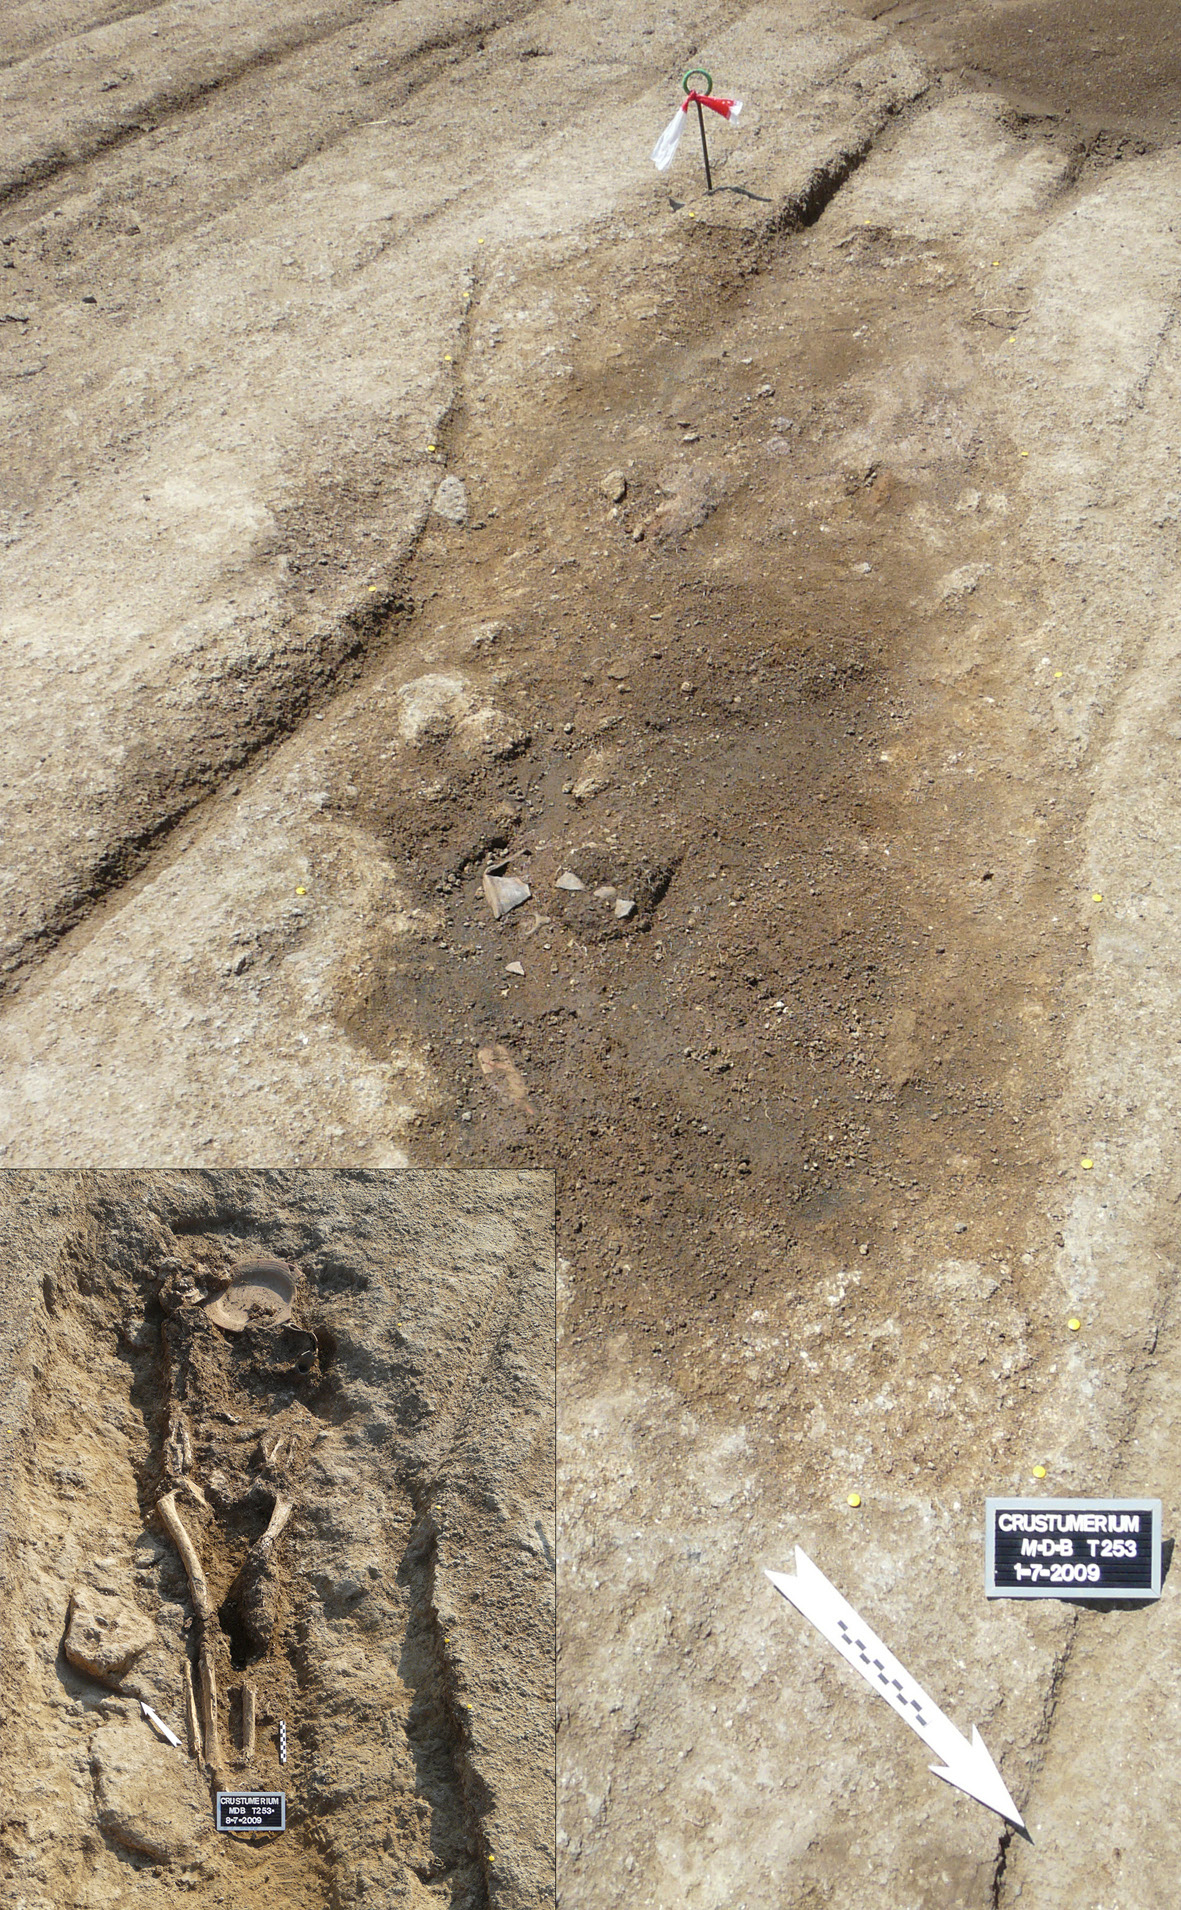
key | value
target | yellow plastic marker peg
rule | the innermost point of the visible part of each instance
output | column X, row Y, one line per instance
column 1095, row 896
column 854, row 1500
column 1074, row 1325
column 432, row 447
column 301, row 891
column 1039, row 1472
column 1086, row 1164
column 1057, row 673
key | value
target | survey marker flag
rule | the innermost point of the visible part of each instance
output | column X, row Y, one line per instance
column 965, row 1765
column 670, row 138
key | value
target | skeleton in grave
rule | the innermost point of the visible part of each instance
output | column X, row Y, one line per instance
column 242, row 1341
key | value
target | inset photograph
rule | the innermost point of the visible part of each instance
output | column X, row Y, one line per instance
column 277, row 1512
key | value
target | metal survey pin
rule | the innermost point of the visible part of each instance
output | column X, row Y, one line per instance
column 699, row 72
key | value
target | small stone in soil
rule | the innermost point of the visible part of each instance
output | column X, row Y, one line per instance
column 450, row 502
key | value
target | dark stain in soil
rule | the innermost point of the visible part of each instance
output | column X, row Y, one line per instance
column 830, row 1026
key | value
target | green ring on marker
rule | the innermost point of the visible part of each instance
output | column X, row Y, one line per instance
column 707, row 77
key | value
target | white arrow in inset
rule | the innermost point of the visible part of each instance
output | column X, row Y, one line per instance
column 158, row 1724
column 967, row 1766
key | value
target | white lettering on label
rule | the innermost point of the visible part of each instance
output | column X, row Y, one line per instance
column 1068, row 1522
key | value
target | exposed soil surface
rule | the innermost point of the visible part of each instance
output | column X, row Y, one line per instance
column 817, row 1023
column 1107, row 70
column 804, row 582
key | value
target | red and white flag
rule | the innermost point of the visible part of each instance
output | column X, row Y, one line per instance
column 666, row 145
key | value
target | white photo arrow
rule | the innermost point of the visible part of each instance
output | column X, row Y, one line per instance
column 967, row 1766
column 158, row 1724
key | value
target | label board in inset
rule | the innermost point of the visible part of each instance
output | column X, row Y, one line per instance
column 251, row 1810
column 1072, row 1548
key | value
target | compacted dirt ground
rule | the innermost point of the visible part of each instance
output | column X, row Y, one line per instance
column 803, row 580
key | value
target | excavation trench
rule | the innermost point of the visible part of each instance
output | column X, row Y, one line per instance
column 751, row 696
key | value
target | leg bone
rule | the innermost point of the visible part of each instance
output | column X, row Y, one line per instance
column 192, row 1564
column 203, row 1607
column 256, row 1588
column 192, row 1724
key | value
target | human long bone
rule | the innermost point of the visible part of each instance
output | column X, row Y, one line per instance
column 192, row 1722
column 203, row 1606
column 283, row 1508
column 256, row 1589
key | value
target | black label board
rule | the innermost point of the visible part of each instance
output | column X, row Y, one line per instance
column 1072, row 1548
column 251, row 1810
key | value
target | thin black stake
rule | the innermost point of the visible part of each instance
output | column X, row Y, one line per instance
column 709, row 184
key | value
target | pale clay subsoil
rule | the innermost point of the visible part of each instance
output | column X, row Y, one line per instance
column 816, row 593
